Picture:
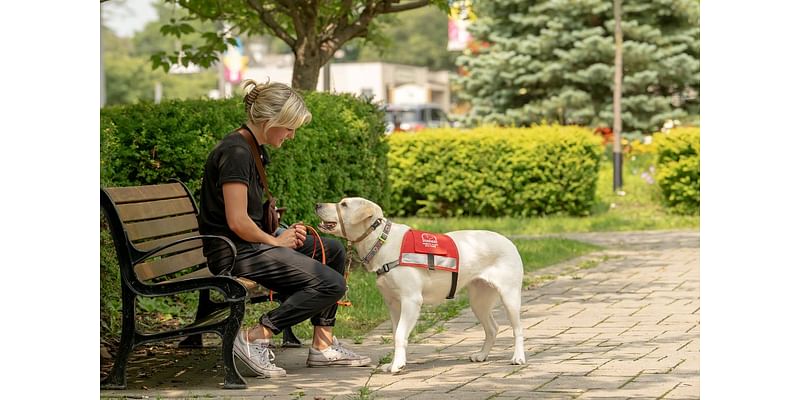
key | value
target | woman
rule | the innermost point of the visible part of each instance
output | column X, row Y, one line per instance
column 231, row 205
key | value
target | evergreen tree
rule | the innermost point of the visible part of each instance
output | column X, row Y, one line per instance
column 554, row 61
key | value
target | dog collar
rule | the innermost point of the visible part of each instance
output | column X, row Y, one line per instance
column 378, row 243
column 369, row 230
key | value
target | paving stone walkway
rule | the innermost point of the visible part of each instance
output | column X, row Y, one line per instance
column 623, row 323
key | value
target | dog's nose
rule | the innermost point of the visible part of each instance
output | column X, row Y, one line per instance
column 319, row 205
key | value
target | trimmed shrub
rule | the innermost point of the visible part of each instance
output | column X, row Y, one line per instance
column 678, row 169
column 342, row 152
column 492, row 171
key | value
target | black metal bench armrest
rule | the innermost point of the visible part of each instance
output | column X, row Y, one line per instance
column 225, row 271
column 233, row 289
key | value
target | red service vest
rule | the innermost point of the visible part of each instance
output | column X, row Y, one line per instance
column 434, row 251
column 429, row 250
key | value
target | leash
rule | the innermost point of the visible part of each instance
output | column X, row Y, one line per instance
column 345, row 301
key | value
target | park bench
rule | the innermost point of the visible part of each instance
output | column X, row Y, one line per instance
column 160, row 253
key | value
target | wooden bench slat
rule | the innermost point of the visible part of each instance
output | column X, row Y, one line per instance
column 155, row 209
column 253, row 288
column 168, row 265
column 187, row 245
column 130, row 194
column 161, row 227
column 152, row 244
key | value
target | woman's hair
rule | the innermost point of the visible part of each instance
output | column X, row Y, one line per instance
column 275, row 103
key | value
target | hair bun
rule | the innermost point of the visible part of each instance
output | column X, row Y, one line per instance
column 252, row 95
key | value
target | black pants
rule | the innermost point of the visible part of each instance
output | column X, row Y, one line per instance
column 307, row 288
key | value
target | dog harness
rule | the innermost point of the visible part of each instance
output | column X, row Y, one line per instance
column 434, row 251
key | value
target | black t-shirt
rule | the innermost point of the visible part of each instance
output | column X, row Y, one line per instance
column 230, row 161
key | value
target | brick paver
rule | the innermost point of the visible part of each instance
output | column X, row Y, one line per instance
column 628, row 327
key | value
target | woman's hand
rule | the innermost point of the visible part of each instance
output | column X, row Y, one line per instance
column 300, row 233
column 288, row 238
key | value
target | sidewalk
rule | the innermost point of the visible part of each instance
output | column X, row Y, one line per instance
column 625, row 326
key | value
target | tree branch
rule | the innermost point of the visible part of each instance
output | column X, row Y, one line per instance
column 266, row 17
column 406, row 6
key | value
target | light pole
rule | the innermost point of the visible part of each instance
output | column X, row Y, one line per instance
column 617, row 95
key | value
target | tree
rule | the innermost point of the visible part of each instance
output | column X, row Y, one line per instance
column 554, row 61
column 419, row 38
column 313, row 29
column 130, row 78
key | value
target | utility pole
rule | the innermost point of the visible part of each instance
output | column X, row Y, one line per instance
column 617, row 95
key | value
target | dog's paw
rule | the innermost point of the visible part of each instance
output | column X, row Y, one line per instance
column 396, row 369
column 518, row 360
column 389, row 368
column 478, row 357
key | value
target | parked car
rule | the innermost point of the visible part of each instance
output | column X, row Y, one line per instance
column 415, row 117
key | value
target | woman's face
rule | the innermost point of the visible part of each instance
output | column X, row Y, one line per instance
column 277, row 134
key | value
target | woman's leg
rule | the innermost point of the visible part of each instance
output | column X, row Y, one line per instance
column 335, row 259
column 309, row 286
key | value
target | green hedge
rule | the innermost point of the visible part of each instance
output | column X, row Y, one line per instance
column 492, row 171
column 678, row 169
column 342, row 152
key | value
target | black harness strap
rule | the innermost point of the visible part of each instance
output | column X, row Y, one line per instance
column 390, row 265
column 453, row 284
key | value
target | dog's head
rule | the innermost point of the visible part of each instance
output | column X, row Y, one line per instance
column 349, row 218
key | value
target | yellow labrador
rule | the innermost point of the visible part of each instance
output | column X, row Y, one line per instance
column 490, row 268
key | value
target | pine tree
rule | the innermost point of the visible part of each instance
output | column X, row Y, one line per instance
column 554, row 61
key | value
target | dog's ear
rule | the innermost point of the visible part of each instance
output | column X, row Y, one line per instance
column 366, row 212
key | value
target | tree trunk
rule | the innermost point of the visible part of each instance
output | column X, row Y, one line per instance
column 305, row 75
column 308, row 60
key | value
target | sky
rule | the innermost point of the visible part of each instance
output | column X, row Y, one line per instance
column 125, row 17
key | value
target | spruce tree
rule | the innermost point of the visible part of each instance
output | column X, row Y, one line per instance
column 553, row 61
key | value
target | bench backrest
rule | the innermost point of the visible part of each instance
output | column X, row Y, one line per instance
column 151, row 216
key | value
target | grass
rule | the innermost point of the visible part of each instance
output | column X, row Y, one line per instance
column 638, row 209
column 540, row 253
column 368, row 310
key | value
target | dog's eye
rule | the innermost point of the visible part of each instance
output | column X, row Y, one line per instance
column 344, row 204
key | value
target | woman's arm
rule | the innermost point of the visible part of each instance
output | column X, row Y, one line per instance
column 234, row 196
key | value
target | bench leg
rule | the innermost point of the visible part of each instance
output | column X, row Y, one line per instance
column 116, row 378
column 204, row 307
column 232, row 378
column 289, row 339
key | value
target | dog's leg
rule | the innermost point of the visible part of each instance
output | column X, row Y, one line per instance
column 512, row 299
column 394, row 311
column 482, row 299
column 409, row 313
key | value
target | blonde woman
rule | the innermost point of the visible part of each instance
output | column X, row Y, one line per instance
column 231, row 205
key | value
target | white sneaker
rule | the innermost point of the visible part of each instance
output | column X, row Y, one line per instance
column 257, row 356
column 335, row 355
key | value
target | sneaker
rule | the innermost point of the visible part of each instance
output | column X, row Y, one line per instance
column 257, row 356
column 335, row 355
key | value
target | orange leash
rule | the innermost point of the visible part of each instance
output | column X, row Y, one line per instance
column 345, row 301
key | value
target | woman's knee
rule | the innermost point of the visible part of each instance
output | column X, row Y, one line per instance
column 333, row 284
column 336, row 254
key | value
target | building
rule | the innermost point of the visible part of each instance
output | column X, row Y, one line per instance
column 387, row 83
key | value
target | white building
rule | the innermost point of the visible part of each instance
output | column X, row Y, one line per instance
column 388, row 83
